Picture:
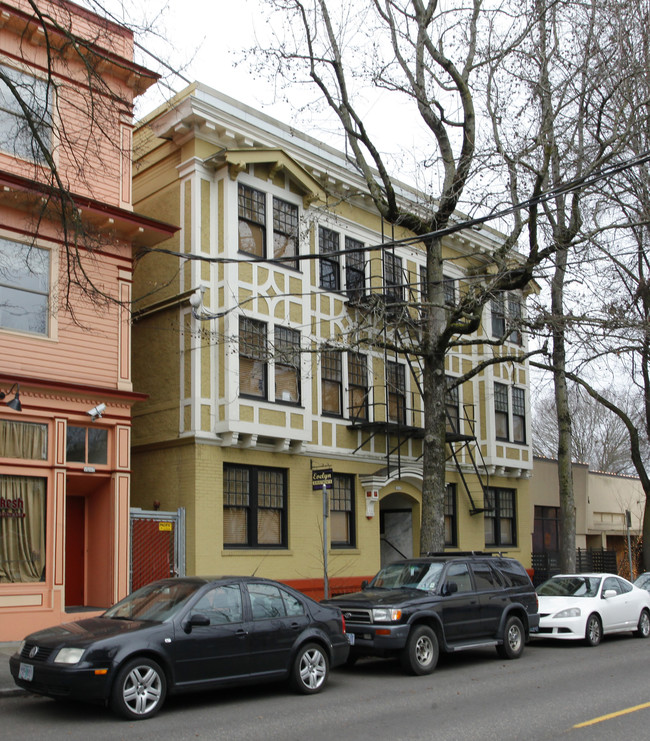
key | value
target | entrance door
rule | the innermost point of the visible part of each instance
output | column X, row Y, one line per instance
column 396, row 535
column 75, row 551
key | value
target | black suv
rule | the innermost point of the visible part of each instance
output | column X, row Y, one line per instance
column 417, row 607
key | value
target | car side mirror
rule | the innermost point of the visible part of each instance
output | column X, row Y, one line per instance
column 449, row 588
column 609, row 593
column 196, row 619
column 364, row 584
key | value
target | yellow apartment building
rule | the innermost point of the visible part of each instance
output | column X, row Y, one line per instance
column 272, row 336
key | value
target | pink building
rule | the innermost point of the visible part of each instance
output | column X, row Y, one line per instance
column 67, row 239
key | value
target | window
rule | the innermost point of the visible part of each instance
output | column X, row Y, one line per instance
column 253, row 358
column 269, row 601
column 254, row 507
column 22, row 529
column 17, row 136
column 507, row 314
column 498, row 308
column 451, row 516
column 501, row 411
column 252, row 225
column 450, row 291
column 355, row 272
column 287, row 365
column 328, row 243
column 393, row 278
column 484, row 577
column 342, row 511
column 515, row 314
column 24, row 287
column 453, row 407
column 396, row 381
column 26, row 440
column 546, row 534
column 87, row 445
column 358, row 386
column 221, row 605
column 518, row 415
column 500, row 518
column 331, row 381
column 285, row 231
column 252, row 221
column 459, row 573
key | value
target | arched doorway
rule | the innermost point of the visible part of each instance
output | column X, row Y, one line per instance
column 396, row 527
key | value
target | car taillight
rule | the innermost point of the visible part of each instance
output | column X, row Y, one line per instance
column 343, row 623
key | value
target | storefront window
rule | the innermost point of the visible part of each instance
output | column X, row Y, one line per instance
column 23, row 440
column 22, row 529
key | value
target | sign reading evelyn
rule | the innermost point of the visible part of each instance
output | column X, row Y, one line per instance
column 321, row 477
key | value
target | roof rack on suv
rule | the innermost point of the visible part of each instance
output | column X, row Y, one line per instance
column 451, row 554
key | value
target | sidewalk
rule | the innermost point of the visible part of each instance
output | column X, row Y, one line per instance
column 8, row 687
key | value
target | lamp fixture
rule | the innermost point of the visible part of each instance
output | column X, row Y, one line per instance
column 15, row 402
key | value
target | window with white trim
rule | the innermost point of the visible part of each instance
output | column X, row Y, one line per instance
column 252, row 210
column 24, row 115
column 330, row 268
column 287, row 365
column 253, row 358
column 24, row 287
column 501, row 412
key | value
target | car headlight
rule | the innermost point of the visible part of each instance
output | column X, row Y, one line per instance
column 569, row 612
column 69, row 655
column 385, row 615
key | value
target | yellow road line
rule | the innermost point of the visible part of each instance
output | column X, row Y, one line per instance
column 609, row 716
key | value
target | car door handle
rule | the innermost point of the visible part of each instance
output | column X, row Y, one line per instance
column 295, row 626
column 241, row 633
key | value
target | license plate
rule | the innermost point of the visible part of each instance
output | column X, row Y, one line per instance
column 350, row 638
column 26, row 672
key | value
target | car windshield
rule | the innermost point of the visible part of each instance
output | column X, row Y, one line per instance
column 411, row 575
column 643, row 582
column 155, row 602
column 570, row 586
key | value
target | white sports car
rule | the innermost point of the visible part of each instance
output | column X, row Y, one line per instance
column 588, row 606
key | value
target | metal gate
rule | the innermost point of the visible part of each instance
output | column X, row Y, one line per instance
column 157, row 545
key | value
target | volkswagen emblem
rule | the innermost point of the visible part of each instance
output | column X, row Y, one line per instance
column 33, row 651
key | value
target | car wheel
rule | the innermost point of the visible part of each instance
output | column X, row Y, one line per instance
column 643, row 628
column 594, row 630
column 139, row 689
column 310, row 669
column 513, row 639
column 420, row 655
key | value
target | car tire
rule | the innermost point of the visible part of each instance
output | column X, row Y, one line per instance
column 514, row 639
column 420, row 655
column 643, row 627
column 593, row 630
column 310, row 669
column 139, row 689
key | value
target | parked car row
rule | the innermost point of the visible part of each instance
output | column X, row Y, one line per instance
column 184, row 634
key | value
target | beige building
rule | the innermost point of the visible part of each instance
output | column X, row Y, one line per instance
column 257, row 339
column 601, row 501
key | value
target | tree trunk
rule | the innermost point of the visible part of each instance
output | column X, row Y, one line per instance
column 564, row 448
column 434, row 387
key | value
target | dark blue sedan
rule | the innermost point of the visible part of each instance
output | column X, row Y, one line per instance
column 185, row 634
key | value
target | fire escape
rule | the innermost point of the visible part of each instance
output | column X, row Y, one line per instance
column 391, row 413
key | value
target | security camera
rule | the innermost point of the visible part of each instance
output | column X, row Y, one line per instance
column 96, row 412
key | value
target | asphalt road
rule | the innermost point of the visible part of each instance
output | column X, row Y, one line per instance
column 471, row 696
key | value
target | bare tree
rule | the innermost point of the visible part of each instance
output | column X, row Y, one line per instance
column 599, row 438
column 518, row 97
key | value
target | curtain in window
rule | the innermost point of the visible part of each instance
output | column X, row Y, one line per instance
column 23, row 440
column 22, row 529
